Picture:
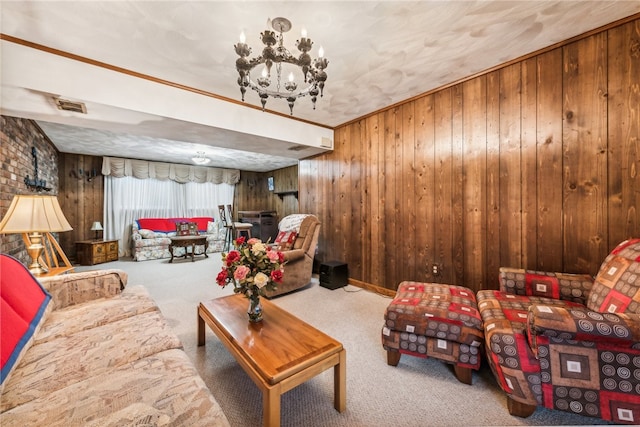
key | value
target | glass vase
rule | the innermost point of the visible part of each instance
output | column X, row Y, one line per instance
column 255, row 308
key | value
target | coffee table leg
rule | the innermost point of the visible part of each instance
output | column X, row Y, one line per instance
column 201, row 340
column 271, row 407
column 340, row 383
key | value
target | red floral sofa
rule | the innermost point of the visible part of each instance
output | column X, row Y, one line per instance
column 568, row 341
column 150, row 236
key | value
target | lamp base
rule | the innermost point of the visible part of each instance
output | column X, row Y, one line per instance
column 35, row 251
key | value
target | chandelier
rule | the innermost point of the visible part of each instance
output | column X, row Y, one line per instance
column 274, row 53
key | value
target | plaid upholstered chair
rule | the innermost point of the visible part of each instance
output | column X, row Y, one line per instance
column 568, row 341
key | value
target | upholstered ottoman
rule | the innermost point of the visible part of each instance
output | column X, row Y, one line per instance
column 434, row 320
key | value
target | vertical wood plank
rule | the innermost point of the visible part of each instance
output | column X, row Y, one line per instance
column 424, row 187
column 354, row 200
column 456, row 260
column 378, row 242
column 390, row 206
column 624, row 133
column 443, row 187
column 549, row 166
column 475, row 182
column 528, row 155
column 493, row 181
column 407, row 225
column 510, row 167
column 585, row 153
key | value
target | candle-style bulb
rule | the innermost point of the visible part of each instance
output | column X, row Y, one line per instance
column 243, row 38
column 320, row 52
column 264, row 72
column 303, row 33
column 290, row 77
column 269, row 27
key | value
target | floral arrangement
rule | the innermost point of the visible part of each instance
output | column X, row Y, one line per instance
column 251, row 267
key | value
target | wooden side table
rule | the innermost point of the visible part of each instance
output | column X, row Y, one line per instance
column 90, row 252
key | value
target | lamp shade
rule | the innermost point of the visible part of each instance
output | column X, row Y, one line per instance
column 96, row 226
column 27, row 214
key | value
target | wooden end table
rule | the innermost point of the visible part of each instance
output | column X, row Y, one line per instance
column 279, row 353
column 187, row 242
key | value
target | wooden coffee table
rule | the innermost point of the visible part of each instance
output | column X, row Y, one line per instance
column 279, row 353
column 187, row 242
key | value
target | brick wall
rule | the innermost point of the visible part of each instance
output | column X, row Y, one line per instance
column 17, row 136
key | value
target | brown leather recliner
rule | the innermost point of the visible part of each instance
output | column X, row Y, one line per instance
column 299, row 259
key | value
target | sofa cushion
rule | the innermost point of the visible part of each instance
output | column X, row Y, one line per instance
column 616, row 288
column 23, row 302
column 59, row 363
column 133, row 301
column 160, row 390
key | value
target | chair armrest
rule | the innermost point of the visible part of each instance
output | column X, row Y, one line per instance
column 562, row 286
column 75, row 288
column 564, row 324
column 293, row 255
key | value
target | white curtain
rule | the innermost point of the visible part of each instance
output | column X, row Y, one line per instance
column 127, row 199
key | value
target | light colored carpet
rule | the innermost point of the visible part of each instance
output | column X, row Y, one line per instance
column 418, row 392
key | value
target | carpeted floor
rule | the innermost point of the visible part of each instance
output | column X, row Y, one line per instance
column 418, row 392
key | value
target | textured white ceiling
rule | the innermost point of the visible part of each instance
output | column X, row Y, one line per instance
column 380, row 53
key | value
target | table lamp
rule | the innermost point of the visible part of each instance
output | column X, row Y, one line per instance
column 34, row 215
column 96, row 227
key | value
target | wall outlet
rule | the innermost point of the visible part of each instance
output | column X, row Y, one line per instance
column 435, row 269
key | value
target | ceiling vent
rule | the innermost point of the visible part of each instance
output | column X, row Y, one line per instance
column 297, row 148
column 76, row 107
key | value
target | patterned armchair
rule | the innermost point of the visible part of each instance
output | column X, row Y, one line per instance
column 568, row 341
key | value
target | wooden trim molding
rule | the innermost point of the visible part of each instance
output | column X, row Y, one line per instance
column 373, row 288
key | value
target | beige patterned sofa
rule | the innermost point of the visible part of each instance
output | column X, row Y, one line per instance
column 81, row 350
column 150, row 237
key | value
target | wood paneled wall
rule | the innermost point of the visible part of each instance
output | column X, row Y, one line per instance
column 252, row 192
column 81, row 197
column 531, row 165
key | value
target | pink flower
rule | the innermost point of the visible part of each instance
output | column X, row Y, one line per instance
column 273, row 256
column 241, row 272
column 252, row 241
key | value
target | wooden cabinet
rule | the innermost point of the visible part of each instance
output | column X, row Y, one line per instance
column 90, row 252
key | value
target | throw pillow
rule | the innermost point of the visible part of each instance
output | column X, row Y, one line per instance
column 285, row 240
column 616, row 288
column 23, row 303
